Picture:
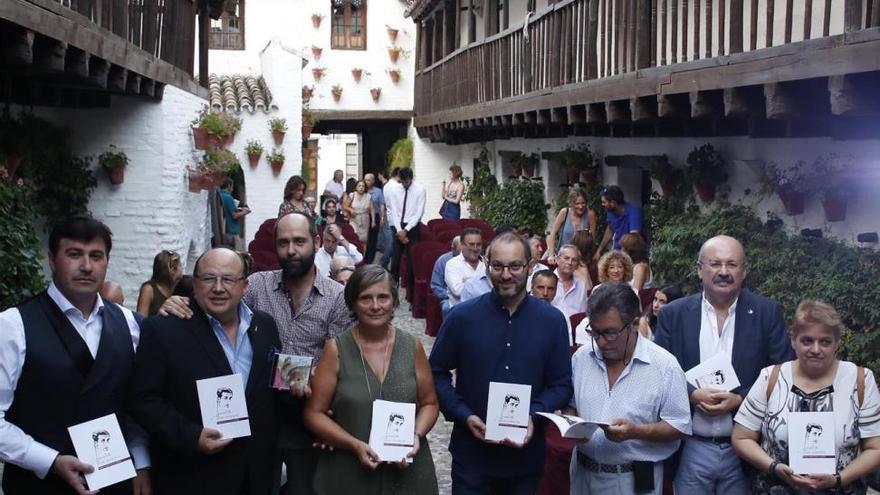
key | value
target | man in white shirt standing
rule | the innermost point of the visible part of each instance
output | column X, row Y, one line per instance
column 392, row 210
column 335, row 188
column 52, row 374
column 466, row 265
column 405, row 221
column 335, row 245
column 571, row 294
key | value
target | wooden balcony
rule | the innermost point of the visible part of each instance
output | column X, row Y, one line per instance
column 660, row 68
column 78, row 52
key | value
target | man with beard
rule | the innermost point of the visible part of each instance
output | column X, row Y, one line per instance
column 492, row 338
column 745, row 327
column 309, row 310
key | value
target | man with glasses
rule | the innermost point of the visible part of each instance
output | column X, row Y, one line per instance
column 633, row 386
column 493, row 338
column 224, row 336
column 571, row 293
column 724, row 318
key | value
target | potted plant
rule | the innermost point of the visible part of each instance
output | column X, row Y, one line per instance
column 395, row 74
column 394, row 53
column 318, row 73
column 668, row 176
column 337, row 92
column 580, row 164
column 215, row 164
column 199, row 132
column 356, row 73
column 276, row 159
column 197, row 180
column 278, row 126
column 316, row 20
column 529, row 163
column 791, row 185
column 829, row 180
column 376, row 93
column 307, row 93
column 705, row 170
column 392, row 33
column 308, row 122
column 113, row 162
column 231, row 126
column 254, row 150
column 316, row 52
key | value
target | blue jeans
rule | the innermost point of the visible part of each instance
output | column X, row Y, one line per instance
column 466, row 480
column 710, row 468
column 386, row 243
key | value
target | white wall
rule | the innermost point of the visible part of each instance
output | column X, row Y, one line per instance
column 153, row 209
column 331, row 157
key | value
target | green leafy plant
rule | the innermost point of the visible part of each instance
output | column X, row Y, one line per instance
column 219, row 160
column 705, row 166
column 481, row 186
column 828, row 176
column 253, row 147
column 519, row 202
column 276, row 156
column 336, row 90
column 112, row 158
column 21, row 272
column 213, row 124
column 278, row 125
column 578, row 157
column 795, row 178
column 401, row 153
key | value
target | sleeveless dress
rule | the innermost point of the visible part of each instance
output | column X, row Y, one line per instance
column 449, row 210
column 158, row 299
column 360, row 218
column 568, row 228
column 339, row 471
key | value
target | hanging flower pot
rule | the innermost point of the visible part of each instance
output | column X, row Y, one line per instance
column 216, row 141
column 318, row 73
column 200, row 138
column 316, row 52
column 394, row 53
column 254, row 159
column 834, row 205
column 572, row 175
column 392, row 33
column 278, row 137
column 706, row 191
column 357, row 73
column 376, row 93
column 395, row 75
column 307, row 93
column 278, row 126
column 196, row 181
column 792, row 200
column 114, row 162
column 337, row 92
column 116, row 175
column 276, row 160
column 316, row 20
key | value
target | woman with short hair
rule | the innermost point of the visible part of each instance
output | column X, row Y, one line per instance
column 816, row 381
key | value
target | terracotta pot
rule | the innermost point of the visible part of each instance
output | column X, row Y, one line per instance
column 589, row 176
column 376, row 93
column 276, row 167
column 393, row 55
column 357, row 73
column 278, row 136
column 835, row 207
column 528, row 169
column 792, row 201
column 706, row 192
column 213, row 179
column 216, row 141
column 254, row 159
column 666, row 185
column 306, row 131
column 337, row 96
column 317, row 74
column 196, row 179
column 200, row 138
column 227, row 140
column 308, row 153
column 392, row 34
column 316, row 21
column 116, row 175
column 316, row 52
column 395, row 76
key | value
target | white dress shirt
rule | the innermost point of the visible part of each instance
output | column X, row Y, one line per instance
column 16, row 446
column 323, row 258
column 336, row 188
column 458, row 271
column 393, row 192
column 573, row 300
column 712, row 342
column 414, row 208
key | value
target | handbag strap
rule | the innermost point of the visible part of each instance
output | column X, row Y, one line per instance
column 860, row 382
column 771, row 383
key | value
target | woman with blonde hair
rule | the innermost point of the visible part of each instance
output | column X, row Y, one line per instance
column 615, row 266
column 167, row 272
column 816, row 382
column 451, row 194
column 575, row 218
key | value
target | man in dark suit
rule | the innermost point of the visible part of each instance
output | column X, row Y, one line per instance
column 223, row 337
column 726, row 319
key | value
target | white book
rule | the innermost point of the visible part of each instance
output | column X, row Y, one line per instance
column 290, row 368
column 573, row 426
column 223, row 405
column 811, row 448
column 716, row 372
column 100, row 444
column 507, row 412
column 393, row 430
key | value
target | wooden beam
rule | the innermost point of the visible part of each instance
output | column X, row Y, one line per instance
column 855, row 95
column 148, row 87
column 99, row 72
column 643, row 108
column 76, row 63
column 596, row 114
column 618, row 112
column 133, row 84
column 706, row 104
column 780, row 102
column 644, row 162
column 577, row 114
column 543, row 117
column 747, row 101
column 559, row 116
column 675, row 106
column 49, row 54
column 17, row 47
column 117, row 79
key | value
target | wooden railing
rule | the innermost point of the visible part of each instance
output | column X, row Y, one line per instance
column 163, row 28
column 582, row 40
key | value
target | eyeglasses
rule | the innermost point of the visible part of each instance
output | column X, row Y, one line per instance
column 608, row 335
column 211, row 280
column 716, row 265
column 514, row 268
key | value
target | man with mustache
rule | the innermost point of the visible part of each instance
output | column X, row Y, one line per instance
column 309, row 310
column 727, row 319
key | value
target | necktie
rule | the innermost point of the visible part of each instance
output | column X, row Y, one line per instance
column 403, row 210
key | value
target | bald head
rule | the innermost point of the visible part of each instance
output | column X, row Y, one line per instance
column 726, row 243
column 456, row 245
column 722, row 270
column 224, row 257
column 112, row 291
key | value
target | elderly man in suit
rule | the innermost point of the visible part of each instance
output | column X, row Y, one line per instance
column 724, row 318
column 223, row 336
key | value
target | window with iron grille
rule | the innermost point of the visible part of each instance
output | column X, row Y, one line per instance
column 348, row 24
column 351, row 160
column 227, row 32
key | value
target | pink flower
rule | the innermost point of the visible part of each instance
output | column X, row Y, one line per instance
column 20, row 182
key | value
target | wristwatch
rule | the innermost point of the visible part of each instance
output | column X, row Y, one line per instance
column 838, row 481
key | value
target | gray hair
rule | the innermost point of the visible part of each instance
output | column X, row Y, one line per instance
column 617, row 296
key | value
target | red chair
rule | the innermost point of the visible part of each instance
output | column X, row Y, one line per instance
column 435, row 223
column 433, row 313
column 267, row 228
column 426, row 254
column 555, row 478
column 426, row 235
column 575, row 320
column 264, row 261
column 262, row 244
column 446, row 237
column 348, row 232
column 474, row 222
column 646, row 296
column 488, row 234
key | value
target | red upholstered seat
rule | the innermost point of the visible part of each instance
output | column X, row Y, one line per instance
column 575, row 320
column 646, row 296
column 266, row 228
column 262, row 244
column 555, row 478
column 433, row 313
column 436, row 223
column 445, row 237
column 425, row 234
column 425, row 255
column 264, row 261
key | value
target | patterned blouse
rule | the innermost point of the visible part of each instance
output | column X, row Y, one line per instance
column 288, row 207
column 771, row 419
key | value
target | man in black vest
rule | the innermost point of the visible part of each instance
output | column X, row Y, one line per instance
column 65, row 358
column 224, row 336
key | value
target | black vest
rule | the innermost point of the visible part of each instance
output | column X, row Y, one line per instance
column 62, row 385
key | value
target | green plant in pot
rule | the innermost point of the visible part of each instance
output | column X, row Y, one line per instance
column 668, row 176
column 309, row 120
column 830, row 181
column 276, row 159
column 254, row 150
column 231, row 126
column 278, row 126
column 113, row 162
column 705, row 169
column 520, row 202
column 580, row 164
column 481, row 186
column 215, row 164
column 790, row 184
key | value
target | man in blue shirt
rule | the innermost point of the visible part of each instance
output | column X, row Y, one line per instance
column 493, row 338
column 233, row 213
column 622, row 217
column 378, row 199
column 438, row 280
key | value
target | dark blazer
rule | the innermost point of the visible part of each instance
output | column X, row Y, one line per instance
column 173, row 354
column 759, row 338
